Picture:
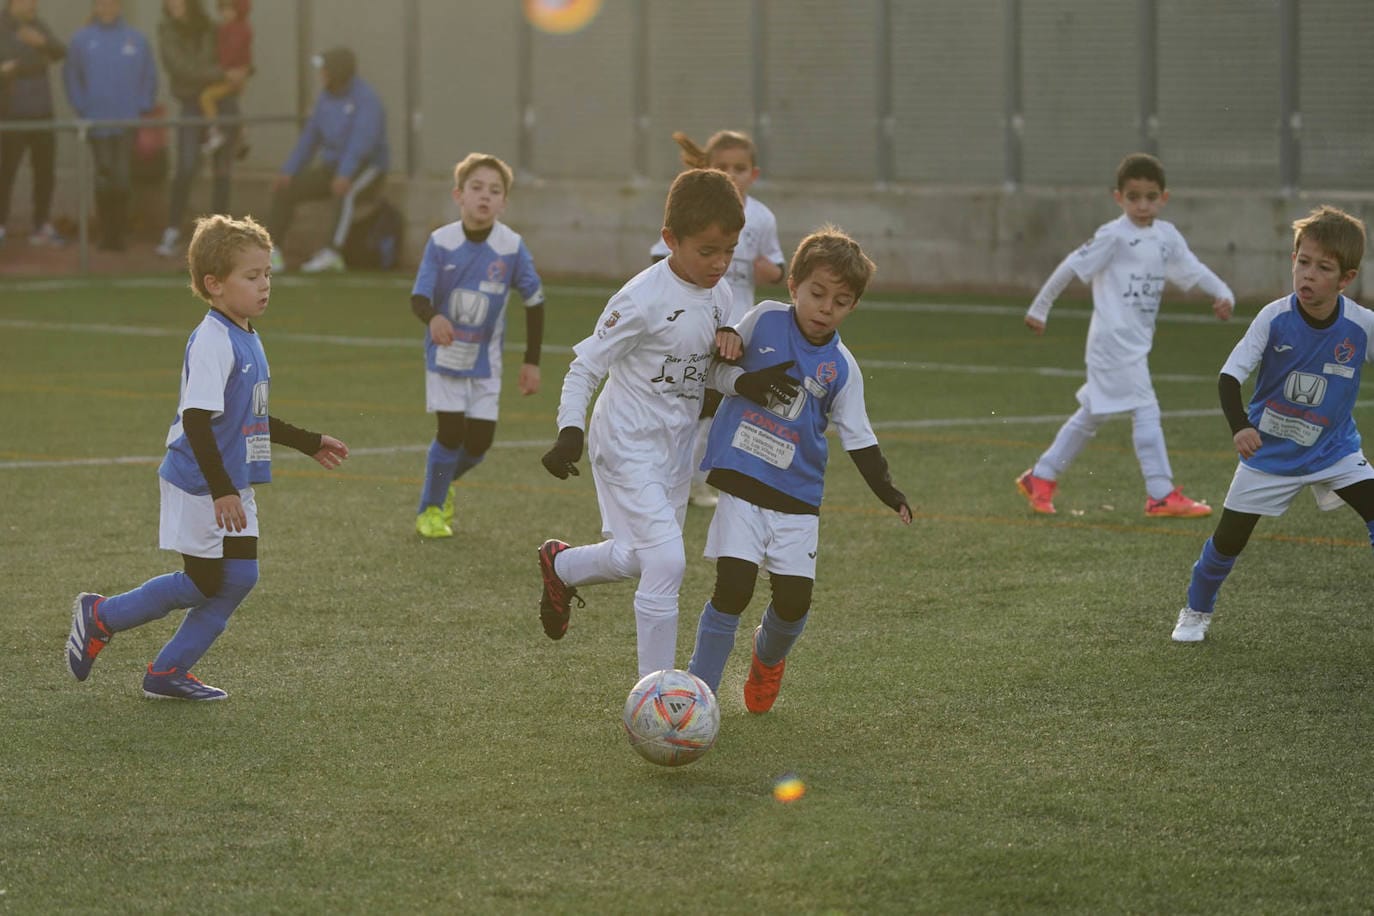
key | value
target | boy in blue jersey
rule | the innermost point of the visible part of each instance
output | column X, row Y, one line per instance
column 460, row 293
column 218, row 449
column 1299, row 429
column 767, row 455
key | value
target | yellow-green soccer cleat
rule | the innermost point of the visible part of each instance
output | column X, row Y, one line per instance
column 430, row 523
column 448, row 508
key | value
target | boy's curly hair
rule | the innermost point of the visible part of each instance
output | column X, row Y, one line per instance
column 215, row 246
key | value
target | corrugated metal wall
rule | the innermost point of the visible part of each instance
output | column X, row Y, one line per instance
column 841, row 90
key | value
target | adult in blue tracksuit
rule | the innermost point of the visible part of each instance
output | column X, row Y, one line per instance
column 341, row 153
column 110, row 74
column 27, row 48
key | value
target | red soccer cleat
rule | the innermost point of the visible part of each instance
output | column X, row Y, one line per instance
column 763, row 683
column 1176, row 505
column 1038, row 491
column 555, row 605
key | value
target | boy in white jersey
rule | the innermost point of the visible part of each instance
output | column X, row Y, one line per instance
column 1128, row 261
column 758, row 256
column 652, row 345
column 1299, row 429
column 460, row 294
column 767, row 456
column 218, row 449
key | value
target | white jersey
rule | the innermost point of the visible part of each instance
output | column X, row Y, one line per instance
column 758, row 237
column 653, row 346
column 1128, row 266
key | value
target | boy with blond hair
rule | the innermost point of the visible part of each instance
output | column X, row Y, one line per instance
column 218, row 450
column 652, row 346
column 1299, row 430
column 1128, row 262
column 460, row 294
column 767, row 456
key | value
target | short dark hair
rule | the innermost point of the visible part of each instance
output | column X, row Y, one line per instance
column 832, row 248
column 701, row 198
column 1140, row 165
column 1335, row 232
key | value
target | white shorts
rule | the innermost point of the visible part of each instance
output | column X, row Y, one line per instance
column 479, row 398
column 188, row 524
column 1117, row 390
column 779, row 542
column 643, row 516
column 1259, row 493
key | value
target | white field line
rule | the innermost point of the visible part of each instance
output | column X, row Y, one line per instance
column 992, row 419
column 82, row 327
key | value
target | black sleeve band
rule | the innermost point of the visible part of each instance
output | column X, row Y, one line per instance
column 422, row 308
column 534, row 333
column 873, row 466
column 195, row 423
column 303, row 441
column 1228, row 389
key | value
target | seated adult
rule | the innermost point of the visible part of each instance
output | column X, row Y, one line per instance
column 341, row 154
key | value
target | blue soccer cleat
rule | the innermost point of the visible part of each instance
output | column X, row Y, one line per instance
column 88, row 635
column 173, row 684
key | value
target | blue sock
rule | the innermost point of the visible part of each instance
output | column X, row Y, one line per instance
column 466, row 462
column 1210, row 570
column 152, row 600
column 205, row 622
column 776, row 637
column 715, row 639
column 1370, row 525
column 439, row 471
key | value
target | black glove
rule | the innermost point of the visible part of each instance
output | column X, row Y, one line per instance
column 774, row 380
column 559, row 460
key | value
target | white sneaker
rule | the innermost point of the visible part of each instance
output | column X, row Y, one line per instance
column 324, row 259
column 704, row 495
column 277, row 262
column 1192, row 625
column 171, row 237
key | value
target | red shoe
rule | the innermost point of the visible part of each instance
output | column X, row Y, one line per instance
column 1176, row 505
column 1038, row 491
column 763, row 683
column 555, row 605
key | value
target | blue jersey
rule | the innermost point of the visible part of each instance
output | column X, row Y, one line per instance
column 469, row 283
column 1308, row 381
column 225, row 372
column 782, row 445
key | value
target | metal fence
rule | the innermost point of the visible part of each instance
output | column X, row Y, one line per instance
column 1232, row 94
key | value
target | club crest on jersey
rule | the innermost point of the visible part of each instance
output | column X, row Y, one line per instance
column 496, row 271
column 1345, row 351
column 1304, row 388
column 826, row 372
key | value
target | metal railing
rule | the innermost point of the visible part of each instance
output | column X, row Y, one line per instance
column 82, row 128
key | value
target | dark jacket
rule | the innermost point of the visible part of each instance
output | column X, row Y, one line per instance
column 186, row 48
column 27, row 94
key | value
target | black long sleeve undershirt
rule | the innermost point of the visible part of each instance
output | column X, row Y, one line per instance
column 195, row 423
column 1228, row 390
column 873, row 466
column 423, row 309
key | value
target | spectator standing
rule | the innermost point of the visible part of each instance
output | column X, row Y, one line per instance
column 186, row 46
column 110, row 75
column 234, row 51
column 342, row 153
column 27, row 48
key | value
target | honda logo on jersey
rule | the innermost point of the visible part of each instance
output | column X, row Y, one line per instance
column 1304, row 388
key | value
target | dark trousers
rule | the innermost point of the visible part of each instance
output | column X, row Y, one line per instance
column 189, row 138
column 313, row 184
column 42, row 149
column 113, row 157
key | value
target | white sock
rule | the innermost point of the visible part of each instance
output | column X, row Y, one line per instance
column 1072, row 438
column 595, row 564
column 1147, row 432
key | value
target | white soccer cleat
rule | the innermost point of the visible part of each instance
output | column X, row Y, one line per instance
column 171, row 240
column 326, row 259
column 1192, row 625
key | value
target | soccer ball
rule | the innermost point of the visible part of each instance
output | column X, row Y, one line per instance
column 671, row 718
column 560, row 17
